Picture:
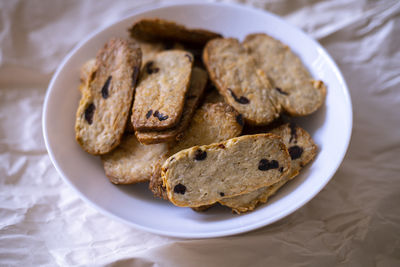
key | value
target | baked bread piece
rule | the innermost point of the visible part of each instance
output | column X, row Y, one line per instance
column 211, row 123
column 161, row 90
column 155, row 29
column 198, row 82
column 302, row 150
column 243, row 86
column 149, row 51
column 293, row 85
column 104, row 106
column 131, row 162
column 203, row 175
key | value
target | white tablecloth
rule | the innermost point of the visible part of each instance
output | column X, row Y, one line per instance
column 354, row 221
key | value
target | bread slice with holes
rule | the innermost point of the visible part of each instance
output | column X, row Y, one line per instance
column 302, row 150
column 107, row 97
column 193, row 96
column 149, row 51
column 161, row 90
column 203, row 175
column 243, row 86
column 296, row 91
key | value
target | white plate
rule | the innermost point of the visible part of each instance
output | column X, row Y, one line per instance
column 134, row 204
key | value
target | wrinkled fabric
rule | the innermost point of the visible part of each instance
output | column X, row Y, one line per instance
column 353, row 221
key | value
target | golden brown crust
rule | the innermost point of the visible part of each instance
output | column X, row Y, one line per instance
column 237, row 79
column 161, row 90
column 195, row 92
column 105, row 102
column 155, row 29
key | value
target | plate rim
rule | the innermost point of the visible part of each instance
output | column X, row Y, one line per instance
column 219, row 233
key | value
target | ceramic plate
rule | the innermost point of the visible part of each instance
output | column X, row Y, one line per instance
column 134, row 204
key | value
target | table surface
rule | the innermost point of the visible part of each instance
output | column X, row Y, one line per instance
column 353, row 221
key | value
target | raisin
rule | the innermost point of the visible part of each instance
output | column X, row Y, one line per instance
column 239, row 119
column 148, row 114
column 200, row 154
column 295, row 152
column 293, row 131
column 104, row 89
column 150, row 69
column 281, row 91
column 240, row 100
column 160, row 116
column 180, row 189
column 281, row 169
column 89, row 111
column 189, row 57
column 135, row 75
column 243, row 100
column 221, row 146
column 221, row 194
column 265, row 165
